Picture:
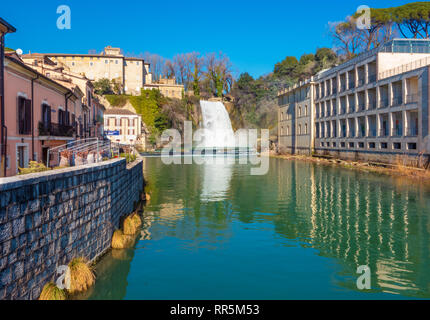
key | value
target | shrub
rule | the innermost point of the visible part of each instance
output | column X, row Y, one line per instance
column 120, row 240
column 81, row 275
column 51, row 292
column 128, row 157
column 33, row 168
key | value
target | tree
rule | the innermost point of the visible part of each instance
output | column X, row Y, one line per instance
column 157, row 64
column 286, row 67
column 347, row 37
column 103, row 86
column 117, row 86
column 195, row 66
column 325, row 58
column 413, row 18
column 219, row 73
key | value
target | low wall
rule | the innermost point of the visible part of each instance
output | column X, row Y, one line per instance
column 49, row 218
column 412, row 160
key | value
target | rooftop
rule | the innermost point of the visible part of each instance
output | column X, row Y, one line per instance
column 119, row 111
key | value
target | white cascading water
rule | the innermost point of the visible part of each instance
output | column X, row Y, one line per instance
column 216, row 122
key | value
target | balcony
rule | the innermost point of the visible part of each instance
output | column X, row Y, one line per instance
column 372, row 132
column 397, row 101
column 361, row 107
column 383, row 103
column 397, row 132
column 55, row 130
column 372, row 78
column 383, row 132
column 412, row 98
column 413, row 132
column 372, row 105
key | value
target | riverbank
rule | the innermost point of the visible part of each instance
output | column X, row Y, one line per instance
column 398, row 171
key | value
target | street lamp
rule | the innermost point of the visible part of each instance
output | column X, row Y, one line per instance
column 5, row 28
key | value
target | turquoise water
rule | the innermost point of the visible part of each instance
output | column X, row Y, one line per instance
column 299, row 232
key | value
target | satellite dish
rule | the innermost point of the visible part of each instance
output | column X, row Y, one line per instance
column 19, row 52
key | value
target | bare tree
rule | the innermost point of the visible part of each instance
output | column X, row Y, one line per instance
column 157, row 64
column 347, row 38
column 219, row 72
column 182, row 75
column 194, row 71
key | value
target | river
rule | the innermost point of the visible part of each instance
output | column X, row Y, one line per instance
column 299, row 232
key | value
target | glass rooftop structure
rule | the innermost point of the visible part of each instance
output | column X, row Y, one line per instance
column 406, row 46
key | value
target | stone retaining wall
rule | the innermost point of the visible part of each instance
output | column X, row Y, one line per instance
column 49, row 218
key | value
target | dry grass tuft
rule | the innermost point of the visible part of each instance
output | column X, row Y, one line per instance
column 132, row 224
column 81, row 275
column 121, row 240
column 51, row 292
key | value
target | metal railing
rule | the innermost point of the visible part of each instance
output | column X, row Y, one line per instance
column 405, row 68
column 85, row 151
column 412, row 98
column 55, row 130
column 383, row 103
column 397, row 101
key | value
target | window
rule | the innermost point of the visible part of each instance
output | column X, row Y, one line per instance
column 351, row 145
column 306, row 128
column 61, row 117
column 342, row 144
column 300, row 129
column 106, row 61
column 46, row 116
column 397, row 145
column 24, row 115
column 412, row 146
column 372, row 145
column 384, row 145
column 361, row 145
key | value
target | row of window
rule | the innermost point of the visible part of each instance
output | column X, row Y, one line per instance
column 300, row 130
column 64, row 118
column 301, row 112
column 370, row 145
column 120, row 122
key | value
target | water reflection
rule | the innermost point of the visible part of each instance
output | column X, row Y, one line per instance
column 350, row 217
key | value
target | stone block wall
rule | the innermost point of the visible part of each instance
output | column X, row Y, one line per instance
column 49, row 218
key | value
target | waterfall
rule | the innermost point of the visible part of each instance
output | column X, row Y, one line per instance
column 216, row 122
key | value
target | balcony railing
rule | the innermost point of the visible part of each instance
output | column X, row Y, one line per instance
column 412, row 98
column 383, row 103
column 397, row 101
column 397, row 132
column 372, row 132
column 383, row 132
column 372, row 78
column 412, row 132
column 55, row 130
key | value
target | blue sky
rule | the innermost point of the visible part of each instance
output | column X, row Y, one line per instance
column 254, row 34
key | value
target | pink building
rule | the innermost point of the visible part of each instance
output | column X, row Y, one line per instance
column 40, row 113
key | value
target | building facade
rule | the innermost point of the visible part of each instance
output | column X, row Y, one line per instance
column 167, row 87
column 88, row 118
column 39, row 114
column 124, row 126
column 296, row 119
column 375, row 107
column 131, row 73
